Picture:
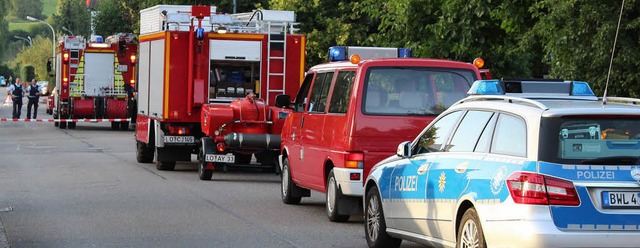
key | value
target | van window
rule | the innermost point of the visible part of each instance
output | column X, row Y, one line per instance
column 320, row 92
column 437, row 135
column 301, row 98
column 402, row 91
column 510, row 136
column 341, row 92
column 465, row 137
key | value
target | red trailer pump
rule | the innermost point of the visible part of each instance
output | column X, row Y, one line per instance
column 205, row 75
column 94, row 80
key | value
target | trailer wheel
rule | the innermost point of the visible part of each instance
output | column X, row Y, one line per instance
column 164, row 165
column 144, row 154
column 124, row 126
column 205, row 147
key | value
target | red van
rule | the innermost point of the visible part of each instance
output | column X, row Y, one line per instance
column 348, row 116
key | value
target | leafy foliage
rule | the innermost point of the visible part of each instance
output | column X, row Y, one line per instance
column 24, row 8
column 35, row 55
column 73, row 15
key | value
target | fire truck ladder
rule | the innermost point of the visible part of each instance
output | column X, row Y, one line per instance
column 274, row 39
column 74, row 63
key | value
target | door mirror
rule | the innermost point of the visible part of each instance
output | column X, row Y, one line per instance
column 50, row 67
column 404, row 149
column 283, row 101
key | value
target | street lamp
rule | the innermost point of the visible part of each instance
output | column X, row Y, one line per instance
column 25, row 39
column 68, row 31
column 53, row 37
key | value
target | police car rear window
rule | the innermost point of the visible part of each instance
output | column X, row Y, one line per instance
column 579, row 140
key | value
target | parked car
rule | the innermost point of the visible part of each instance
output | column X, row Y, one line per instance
column 3, row 82
column 517, row 164
column 44, row 87
column 349, row 115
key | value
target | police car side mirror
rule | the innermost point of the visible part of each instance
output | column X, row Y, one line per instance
column 404, row 150
column 283, row 101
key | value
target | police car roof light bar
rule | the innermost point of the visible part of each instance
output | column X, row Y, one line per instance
column 343, row 53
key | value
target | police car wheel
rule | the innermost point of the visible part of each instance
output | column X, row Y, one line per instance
column 470, row 232
column 203, row 172
column 333, row 198
column 375, row 227
column 287, row 185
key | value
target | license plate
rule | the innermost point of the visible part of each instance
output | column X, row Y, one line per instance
column 219, row 158
column 179, row 139
column 123, row 68
column 621, row 199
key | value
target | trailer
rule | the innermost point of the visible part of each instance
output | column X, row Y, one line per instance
column 203, row 75
column 95, row 80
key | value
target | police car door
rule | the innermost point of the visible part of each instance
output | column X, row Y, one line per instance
column 408, row 206
column 450, row 176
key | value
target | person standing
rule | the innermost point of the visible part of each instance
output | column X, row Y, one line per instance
column 16, row 91
column 33, row 92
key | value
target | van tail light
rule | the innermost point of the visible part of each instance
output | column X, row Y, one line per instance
column 178, row 130
column 536, row 189
column 354, row 160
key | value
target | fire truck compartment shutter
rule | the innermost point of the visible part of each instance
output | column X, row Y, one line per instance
column 98, row 72
column 235, row 50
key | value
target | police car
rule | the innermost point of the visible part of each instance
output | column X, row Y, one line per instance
column 516, row 164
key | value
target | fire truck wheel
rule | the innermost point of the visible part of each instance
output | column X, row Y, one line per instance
column 56, row 124
column 164, row 165
column 72, row 125
column 287, row 185
column 124, row 126
column 144, row 154
column 243, row 158
column 63, row 125
column 333, row 197
column 114, row 125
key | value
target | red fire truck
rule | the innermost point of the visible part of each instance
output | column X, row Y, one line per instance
column 94, row 80
column 205, row 76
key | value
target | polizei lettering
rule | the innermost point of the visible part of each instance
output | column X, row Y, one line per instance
column 609, row 175
column 406, row 183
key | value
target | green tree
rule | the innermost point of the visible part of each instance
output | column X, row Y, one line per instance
column 73, row 15
column 23, row 8
column 110, row 19
column 577, row 38
column 4, row 6
column 35, row 55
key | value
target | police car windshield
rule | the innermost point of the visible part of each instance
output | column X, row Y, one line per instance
column 585, row 140
column 410, row 91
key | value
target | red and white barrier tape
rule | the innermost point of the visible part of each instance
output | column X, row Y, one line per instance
column 64, row 120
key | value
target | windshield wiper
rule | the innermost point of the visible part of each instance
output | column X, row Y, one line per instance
column 613, row 160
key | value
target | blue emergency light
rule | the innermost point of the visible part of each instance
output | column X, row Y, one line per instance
column 404, row 52
column 200, row 34
column 337, row 53
column 486, row 87
column 579, row 88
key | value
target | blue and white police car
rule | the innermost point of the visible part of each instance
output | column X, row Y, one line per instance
column 517, row 164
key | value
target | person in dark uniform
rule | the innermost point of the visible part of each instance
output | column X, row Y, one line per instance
column 33, row 92
column 16, row 91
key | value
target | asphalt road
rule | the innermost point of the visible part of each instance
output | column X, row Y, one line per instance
column 84, row 188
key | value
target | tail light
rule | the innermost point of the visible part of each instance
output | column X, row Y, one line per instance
column 354, row 160
column 133, row 59
column 65, row 81
column 536, row 189
column 132, row 83
column 178, row 130
column 65, row 57
column 221, row 147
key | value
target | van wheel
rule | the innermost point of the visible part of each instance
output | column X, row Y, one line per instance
column 374, row 225
column 333, row 196
column 164, row 165
column 144, row 154
column 470, row 232
column 287, row 185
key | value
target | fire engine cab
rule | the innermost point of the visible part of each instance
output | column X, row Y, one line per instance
column 94, row 80
column 205, row 76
